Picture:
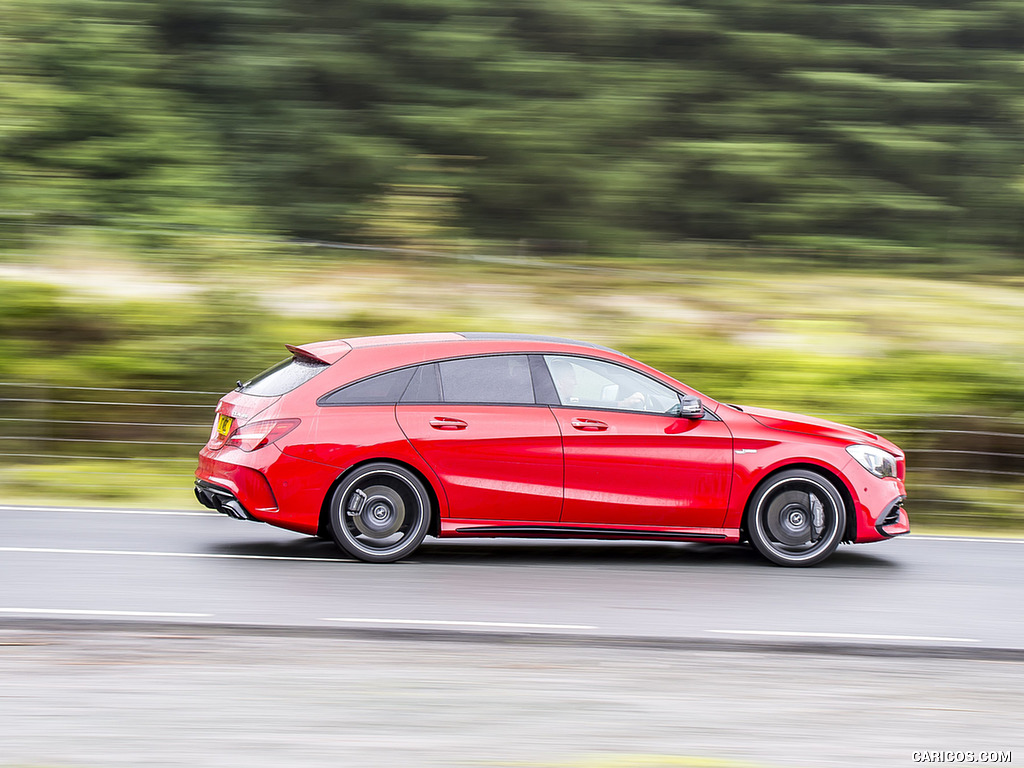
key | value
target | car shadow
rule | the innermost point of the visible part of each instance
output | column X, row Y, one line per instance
column 533, row 552
column 288, row 547
column 606, row 553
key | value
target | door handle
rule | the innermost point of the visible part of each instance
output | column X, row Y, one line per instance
column 589, row 425
column 446, row 422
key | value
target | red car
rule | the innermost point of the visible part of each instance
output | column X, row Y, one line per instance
column 380, row 441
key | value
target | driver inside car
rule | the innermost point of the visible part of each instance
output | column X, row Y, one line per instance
column 568, row 387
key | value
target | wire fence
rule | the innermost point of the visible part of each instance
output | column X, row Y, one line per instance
column 102, row 444
column 100, row 436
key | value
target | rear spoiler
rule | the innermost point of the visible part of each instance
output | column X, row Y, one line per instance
column 326, row 352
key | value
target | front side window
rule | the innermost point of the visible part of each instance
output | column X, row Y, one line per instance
column 497, row 379
column 587, row 383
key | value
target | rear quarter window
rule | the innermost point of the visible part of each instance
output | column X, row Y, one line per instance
column 383, row 388
column 283, row 378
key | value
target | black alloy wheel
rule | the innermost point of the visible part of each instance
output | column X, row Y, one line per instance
column 796, row 518
column 380, row 513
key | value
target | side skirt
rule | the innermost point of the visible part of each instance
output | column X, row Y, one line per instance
column 488, row 529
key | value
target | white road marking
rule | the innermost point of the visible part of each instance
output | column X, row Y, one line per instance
column 447, row 623
column 111, row 511
column 840, row 635
column 83, row 612
column 142, row 553
column 971, row 539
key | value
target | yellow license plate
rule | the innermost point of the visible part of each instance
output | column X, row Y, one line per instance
column 224, row 425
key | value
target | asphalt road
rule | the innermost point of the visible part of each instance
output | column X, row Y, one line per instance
column 202, row 568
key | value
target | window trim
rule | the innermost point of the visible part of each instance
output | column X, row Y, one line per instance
column 708, row 413
column 437, row 380
column 542, row 380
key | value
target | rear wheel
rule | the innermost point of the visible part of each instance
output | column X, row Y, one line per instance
column 796, row 518
column 380, row 513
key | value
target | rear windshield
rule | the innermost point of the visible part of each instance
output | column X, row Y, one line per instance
column 283, row 377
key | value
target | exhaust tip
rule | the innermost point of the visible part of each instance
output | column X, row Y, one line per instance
column 221, row 500
column 203, row 498
column 235, row 509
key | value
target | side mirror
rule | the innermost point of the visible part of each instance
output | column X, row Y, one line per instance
column 690, row 407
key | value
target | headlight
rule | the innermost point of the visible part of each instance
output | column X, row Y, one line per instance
column 876, row 461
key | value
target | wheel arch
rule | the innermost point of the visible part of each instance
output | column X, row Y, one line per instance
column 324, row 524
column 850, row 532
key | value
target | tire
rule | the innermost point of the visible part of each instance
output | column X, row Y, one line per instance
column 796, row 518
column 380, row 513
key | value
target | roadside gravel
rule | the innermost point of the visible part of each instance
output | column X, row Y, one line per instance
column 129, row 699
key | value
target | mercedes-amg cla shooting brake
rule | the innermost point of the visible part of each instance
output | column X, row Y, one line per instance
column 380, row 441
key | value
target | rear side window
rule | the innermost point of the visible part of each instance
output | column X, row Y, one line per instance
column 283, row 377
column 384, row 388
column 498, row 379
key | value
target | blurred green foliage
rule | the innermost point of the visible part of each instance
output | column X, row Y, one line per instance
column 207, row 339
column 868, row 130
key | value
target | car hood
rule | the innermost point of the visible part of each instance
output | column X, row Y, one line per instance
column 809, row 425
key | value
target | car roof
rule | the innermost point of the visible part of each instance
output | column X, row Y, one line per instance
column 373, row 354
column 484, row 336
column 430, row 338
column 331, row 351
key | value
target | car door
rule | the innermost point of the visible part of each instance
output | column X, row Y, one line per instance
column 497, row 453
column 627, row 461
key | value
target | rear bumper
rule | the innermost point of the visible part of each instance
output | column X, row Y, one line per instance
column 222, row 500
column 234, row 476
column 269, row 486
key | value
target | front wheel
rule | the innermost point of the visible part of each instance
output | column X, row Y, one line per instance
column 380, row 513
column 796, row 518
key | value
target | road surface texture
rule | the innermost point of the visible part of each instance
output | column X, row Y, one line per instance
column 961, row 595
column 112, row 699
column 186, row 638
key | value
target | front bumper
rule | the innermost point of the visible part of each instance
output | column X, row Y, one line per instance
column 875, row 501
column 894, row 520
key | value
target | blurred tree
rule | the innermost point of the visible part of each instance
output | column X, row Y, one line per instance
column 847, row 128
column 86, row 130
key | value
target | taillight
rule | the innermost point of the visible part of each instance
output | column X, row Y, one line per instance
column 261, row 433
